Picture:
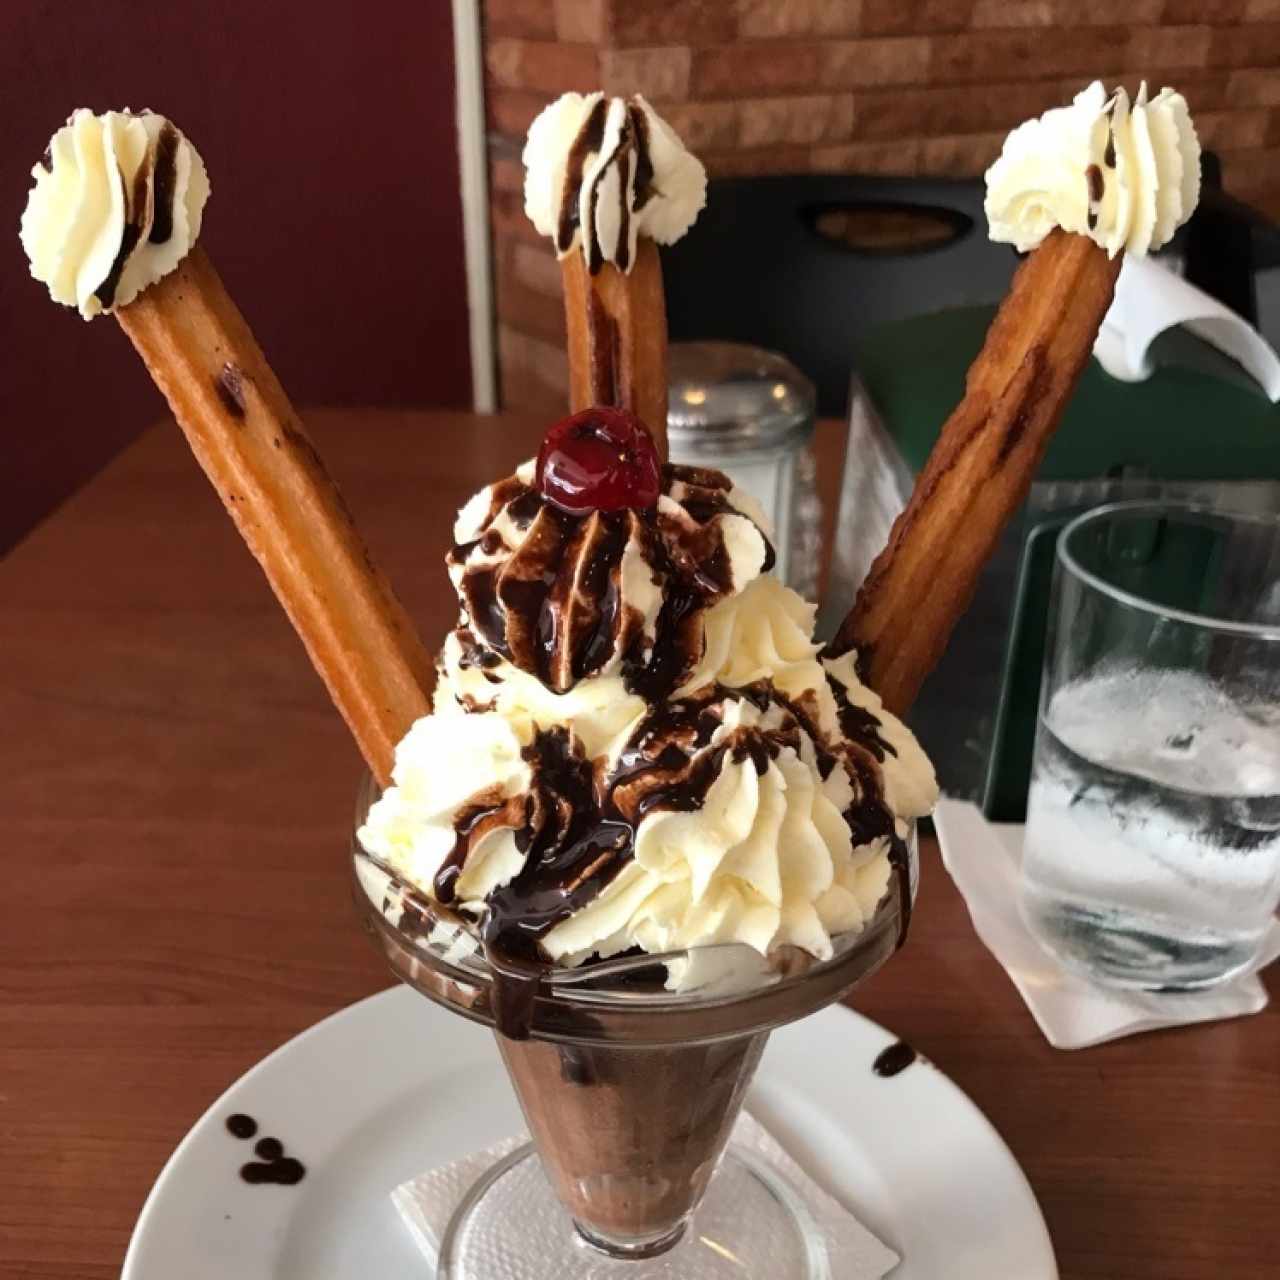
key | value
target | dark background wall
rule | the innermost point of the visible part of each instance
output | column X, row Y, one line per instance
column 328, row 132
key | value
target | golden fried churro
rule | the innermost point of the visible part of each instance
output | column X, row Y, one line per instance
column 252, row 446
column 1079, row 187
column 617, row 324
column 981, row 467
column 111, row 225
column 607, row 180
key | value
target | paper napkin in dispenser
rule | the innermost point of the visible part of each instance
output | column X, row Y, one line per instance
column 1150, row 299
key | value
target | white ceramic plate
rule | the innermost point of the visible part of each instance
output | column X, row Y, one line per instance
column 393, row 1085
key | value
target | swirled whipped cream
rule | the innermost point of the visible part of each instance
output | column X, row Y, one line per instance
column 636, row 743
column 566, row 596
column 1127, row 175
column 116, row 205
column 600, row 172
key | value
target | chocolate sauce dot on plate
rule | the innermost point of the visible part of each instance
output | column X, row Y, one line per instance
column 287, row 1172
column 241, row 1126
column 897, row 1057
column 269, row 1148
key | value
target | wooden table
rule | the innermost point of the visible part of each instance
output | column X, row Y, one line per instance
column 176, row 794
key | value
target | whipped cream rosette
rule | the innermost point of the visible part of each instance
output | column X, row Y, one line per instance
column 117, row 204
column 600, row 172
column 607, row 180
column 1125, row 174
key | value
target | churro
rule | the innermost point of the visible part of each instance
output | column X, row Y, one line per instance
column 257, row 455
column 111, row 225
column 1078, row 187
column 981, row 467
column 617, row 327
column 608, row 180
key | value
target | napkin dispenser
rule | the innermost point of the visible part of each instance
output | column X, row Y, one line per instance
column 1197, row 429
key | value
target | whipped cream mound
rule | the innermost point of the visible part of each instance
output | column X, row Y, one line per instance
column 1127, row 175
column 636, row 742
column 600, row 172
column 566, row 596
column 116, row 205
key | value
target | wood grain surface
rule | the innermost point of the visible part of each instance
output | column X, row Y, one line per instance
column 177, row 793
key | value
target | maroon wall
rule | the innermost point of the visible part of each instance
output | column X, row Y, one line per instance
column 328, row 131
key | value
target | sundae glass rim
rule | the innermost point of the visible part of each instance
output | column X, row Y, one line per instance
column 438, row 951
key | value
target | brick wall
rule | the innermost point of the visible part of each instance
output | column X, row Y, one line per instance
column 858, row 86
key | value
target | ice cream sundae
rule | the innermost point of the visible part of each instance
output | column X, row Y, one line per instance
column 631, row 745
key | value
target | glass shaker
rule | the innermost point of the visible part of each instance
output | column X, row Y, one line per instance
column 750, row 413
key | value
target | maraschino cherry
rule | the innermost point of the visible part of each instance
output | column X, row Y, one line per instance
column 599, row 460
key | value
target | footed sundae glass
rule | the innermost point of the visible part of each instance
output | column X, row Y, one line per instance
column 630, row 1092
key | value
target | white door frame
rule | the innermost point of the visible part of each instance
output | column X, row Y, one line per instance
column 473, row 169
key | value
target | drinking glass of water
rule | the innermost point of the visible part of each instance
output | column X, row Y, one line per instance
column 1152, row 854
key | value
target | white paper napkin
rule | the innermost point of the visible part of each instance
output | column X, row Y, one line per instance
column 984, row 859
column 427, row 1202
column 1150, row 299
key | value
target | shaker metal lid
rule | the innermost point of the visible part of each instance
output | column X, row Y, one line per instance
column 726, row 396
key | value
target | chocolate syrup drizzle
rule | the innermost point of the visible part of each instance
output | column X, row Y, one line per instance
column 634, row 163
column 135, row 213
column 1093, row 175
column 553, row 606
column 609, row 374
column 1097, row 188
column 573, row 848
column 159, row 168
column 577, row 825
column 165, row 184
